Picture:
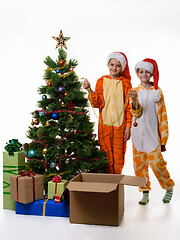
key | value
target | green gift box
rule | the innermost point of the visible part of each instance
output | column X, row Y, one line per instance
column 12, row 165
column 59, row 190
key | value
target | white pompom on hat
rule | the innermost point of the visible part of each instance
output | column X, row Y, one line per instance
column 120, row 57
column 151, row 66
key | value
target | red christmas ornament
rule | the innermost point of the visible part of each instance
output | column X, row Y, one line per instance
column 135, row 124
column 49, row 84
column 36, row 122
column 61, row 62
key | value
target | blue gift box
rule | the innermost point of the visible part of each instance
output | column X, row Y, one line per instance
column 44, row 207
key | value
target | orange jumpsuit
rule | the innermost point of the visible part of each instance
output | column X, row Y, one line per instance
column 107, row 97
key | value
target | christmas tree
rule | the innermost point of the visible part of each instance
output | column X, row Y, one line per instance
column 62, row 136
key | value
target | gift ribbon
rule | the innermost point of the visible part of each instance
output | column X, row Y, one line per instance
column 44, row 207
column 56, row 180
column 29, row 174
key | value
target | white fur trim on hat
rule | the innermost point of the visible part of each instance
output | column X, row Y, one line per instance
column 119, row 57
column 145, row 65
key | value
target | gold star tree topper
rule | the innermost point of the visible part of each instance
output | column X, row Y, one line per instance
column 61, row 40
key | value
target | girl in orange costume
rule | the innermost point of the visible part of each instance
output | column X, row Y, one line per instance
column 110, row 96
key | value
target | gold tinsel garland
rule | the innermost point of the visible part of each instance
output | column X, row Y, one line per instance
column 56, row 174
column 63, row 75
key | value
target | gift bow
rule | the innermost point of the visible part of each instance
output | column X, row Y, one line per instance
column 57, row 179
column 30, row 173
column 13, row 146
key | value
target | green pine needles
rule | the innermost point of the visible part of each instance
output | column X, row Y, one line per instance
column 62, row 133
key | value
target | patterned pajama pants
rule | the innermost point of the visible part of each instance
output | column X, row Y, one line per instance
column 154, row 159
column 111, row 140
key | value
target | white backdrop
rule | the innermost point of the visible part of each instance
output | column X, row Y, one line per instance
column 138, row 28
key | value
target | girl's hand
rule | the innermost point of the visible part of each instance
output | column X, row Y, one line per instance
column 133, row 94
column 127, row 134
column 86, row 84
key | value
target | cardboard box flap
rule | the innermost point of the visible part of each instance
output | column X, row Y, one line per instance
column 133, row 181
column 92, row 187
column 100, row 177
column 77, row 178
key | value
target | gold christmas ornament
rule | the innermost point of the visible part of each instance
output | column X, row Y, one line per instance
column 63, row 104
column 70, row 118
column 61, row 40
column 44, row 150
column 47, row 124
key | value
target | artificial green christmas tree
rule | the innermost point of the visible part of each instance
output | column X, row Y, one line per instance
column 62, row 134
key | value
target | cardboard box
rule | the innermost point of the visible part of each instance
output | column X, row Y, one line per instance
column 60, row 188
column 44, row 207
column 24, row 189
column 99, row 198
column 12, row 165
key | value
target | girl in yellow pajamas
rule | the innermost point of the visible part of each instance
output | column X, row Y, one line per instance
column 150, row 130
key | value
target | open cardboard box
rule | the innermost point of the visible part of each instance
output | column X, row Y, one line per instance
column 99, row 198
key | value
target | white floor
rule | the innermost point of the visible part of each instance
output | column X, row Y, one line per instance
column 151, row 222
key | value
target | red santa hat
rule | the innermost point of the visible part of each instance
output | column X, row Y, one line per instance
column 151, row 66
column 121, row 57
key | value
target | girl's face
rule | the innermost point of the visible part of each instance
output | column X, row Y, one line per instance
column 115, row 68
column 144, row 75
